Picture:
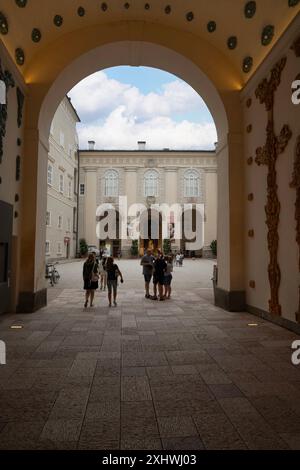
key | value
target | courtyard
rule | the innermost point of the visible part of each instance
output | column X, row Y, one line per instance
column 177, row 375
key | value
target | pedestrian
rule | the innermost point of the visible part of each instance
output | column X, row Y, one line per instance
column 90, row 278
column 113, row 272
column 177, row 259
column 160, row 267
column 103, row 274
column 147, row 262
column 168, row 277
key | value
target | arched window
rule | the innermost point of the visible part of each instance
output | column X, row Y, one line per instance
column 191, row 183
column 111, row 183
column 151, row 183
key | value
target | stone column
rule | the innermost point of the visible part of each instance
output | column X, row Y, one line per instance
column 90, row 205
column 171, row 192
column 32, row 286
column 230, row 290
column 131, row 182
column 211, row 204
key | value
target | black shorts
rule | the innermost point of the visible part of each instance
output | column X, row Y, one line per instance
column 148, row 278
column 159, row 279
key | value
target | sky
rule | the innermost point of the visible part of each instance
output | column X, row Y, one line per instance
column 122, row 105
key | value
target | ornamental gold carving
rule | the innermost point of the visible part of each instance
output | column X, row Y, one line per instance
column 268, row 155
column 295, row 184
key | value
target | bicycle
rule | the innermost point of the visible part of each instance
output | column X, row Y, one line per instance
column 52, row 274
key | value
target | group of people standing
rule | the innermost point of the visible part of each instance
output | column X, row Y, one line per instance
column 107, row 272
column 159, row 269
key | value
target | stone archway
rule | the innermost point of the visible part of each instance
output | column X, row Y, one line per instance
column 51, row 75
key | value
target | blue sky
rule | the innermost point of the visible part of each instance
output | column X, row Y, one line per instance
column 121, row 105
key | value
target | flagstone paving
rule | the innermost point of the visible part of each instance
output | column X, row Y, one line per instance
column 177, row 375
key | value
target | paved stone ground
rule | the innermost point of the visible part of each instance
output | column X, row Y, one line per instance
column 179, row 374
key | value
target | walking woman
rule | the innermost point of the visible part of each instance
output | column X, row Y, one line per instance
column 112, row 279
column 90, row 279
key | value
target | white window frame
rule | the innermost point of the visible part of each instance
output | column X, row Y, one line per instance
column 151, row 180
column 59, row 248
column 61, row 183
column 48, row 244
column 60, row 222
column 48, row 222
column 111, row 183
column 50, row 174
column 69, row 224
column 70, row 189
column 191, row 183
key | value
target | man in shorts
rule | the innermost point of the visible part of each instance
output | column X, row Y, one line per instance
column 147, row 262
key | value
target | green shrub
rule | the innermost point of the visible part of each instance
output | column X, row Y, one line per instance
column 167, row 246
column 134, row 248
column 213, row 247
column 83, row 248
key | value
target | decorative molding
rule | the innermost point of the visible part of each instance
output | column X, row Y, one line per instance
column 296, row 46
column 7, row 78
column 268, row 155
column 20, row 100
column 295, row 184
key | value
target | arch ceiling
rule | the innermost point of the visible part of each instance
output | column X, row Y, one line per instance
column 243, row 32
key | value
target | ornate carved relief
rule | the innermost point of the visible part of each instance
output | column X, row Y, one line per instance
column 7, row 78
column 268, row 155
column 20, row 99
column 295, row 184
column 296, row 46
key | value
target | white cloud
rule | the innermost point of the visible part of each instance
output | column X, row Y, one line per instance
column 117, row 115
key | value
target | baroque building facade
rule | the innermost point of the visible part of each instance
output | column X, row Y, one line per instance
column 62, row 184
column 150, row 178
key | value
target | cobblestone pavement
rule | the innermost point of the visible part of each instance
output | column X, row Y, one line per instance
column 180, row 374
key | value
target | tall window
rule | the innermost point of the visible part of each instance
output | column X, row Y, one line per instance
column 47, row 247
column 50, row 174
column 151, row 183
column 69, row 225
column 61, row 183
column 70, row 189
column 59, row 248
column 60, row 221
column 191, row 183
column 48, row 218
column 82, row 189
column 74, row 220
column 111, row 183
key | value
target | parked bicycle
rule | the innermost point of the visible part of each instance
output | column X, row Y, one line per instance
column 52, row 274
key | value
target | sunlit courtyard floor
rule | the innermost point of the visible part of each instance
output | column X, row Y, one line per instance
column 180, row 374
